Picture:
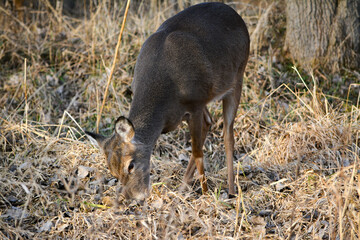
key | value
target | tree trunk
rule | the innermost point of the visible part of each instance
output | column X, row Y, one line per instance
column 324, row 33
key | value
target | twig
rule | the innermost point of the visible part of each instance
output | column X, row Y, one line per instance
column 25, row 95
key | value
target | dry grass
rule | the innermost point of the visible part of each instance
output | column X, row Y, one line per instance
column 297, row 149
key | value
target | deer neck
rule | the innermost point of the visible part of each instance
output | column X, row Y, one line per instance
column 147, row 124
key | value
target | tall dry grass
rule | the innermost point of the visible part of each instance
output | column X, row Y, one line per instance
column 297, row 148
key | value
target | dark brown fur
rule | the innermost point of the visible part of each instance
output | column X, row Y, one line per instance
column 197, row 56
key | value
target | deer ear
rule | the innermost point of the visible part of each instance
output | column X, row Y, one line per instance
column 96, row 139
column 124, row 128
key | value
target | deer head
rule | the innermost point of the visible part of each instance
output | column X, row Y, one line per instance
column 125, row 158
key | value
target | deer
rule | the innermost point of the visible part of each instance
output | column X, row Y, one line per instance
column 197, row 56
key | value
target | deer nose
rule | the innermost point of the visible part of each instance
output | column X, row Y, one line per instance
column 136, row 195
column 141, row 195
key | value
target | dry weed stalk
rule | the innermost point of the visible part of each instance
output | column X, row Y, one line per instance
column 113, row 66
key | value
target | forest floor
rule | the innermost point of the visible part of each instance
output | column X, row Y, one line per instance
column 297, row 142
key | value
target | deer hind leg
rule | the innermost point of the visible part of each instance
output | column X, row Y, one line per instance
column 230, row 106
column 199, row 124
column 19, row 8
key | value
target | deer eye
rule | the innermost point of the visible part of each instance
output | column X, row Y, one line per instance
column 131, row 167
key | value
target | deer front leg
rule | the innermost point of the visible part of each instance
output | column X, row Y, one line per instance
column 199, row 124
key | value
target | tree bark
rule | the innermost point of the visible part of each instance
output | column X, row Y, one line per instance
column 324, row 33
